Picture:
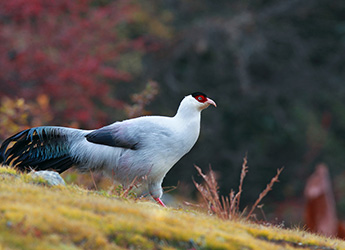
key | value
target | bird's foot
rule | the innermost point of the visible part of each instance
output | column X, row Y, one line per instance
column 160, row 202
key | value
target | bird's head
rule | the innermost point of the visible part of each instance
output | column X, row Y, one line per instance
column 201, row 101
column 194, row 102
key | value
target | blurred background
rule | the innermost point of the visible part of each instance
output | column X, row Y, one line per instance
column 276, row 70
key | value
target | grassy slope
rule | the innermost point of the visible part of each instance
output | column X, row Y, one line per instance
column 35, row 216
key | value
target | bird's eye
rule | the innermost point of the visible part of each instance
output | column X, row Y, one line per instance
column 201, row 98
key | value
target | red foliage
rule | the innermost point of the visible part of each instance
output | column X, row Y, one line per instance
column 68, row 50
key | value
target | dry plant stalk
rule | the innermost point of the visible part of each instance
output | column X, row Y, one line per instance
column 265, row 192
column 129, row 188
column 93, row 180
column 224, row 207
column 228, row 207
column 209, row 192
column 236, row 199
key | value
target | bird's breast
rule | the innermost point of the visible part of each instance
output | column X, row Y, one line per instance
column 180, row 141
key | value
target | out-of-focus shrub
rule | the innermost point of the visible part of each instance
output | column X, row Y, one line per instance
column 17, row 114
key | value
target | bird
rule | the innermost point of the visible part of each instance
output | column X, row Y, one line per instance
column 143, row 148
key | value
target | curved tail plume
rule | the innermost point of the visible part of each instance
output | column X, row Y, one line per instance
column 40, row 148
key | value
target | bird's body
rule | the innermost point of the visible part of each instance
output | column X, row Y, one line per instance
column 142, row 149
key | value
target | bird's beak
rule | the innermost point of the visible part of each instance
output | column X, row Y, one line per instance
column 210, row 101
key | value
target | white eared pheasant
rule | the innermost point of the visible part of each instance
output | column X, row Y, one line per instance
column 143, row 148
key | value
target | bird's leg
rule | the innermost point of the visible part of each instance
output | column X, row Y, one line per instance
column 156, row 191
column 160, row 202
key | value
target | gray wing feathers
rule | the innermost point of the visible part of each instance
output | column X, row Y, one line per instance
column 115, row 135
column 132, row 134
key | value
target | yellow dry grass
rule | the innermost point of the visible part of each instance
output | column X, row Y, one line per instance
column 35, row 216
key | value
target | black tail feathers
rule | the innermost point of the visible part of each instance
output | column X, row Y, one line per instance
column 41, row 148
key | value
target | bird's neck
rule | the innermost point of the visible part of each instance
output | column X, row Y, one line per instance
column 188, row 113
column 187, row 125
column 188, row 120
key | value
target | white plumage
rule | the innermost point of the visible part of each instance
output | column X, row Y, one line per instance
column 143, row 148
